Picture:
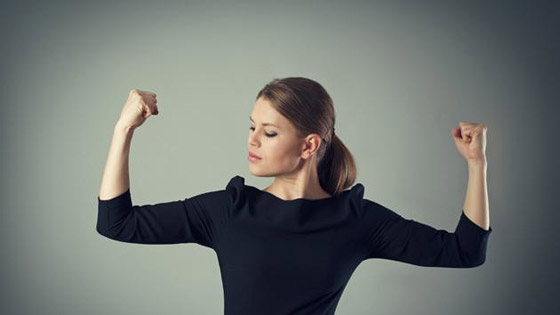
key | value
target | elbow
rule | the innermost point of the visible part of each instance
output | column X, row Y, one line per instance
column 104, row 231
column 112, row 221
column 103, row 223
column 471, row 251
column 106, row 228
column 121, row 231
column 475, row 261
column 112, row 236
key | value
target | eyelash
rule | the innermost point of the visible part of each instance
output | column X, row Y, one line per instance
column 268, row 135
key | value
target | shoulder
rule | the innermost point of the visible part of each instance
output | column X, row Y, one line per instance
column 232, row 194
column 368, row 209
column 236, row 190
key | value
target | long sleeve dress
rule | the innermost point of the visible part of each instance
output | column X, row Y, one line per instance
column 290, row 256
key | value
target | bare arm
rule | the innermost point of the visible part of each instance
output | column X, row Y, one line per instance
column 139, row 106
column 470, row 139
column 476, row 200
column 115, row 179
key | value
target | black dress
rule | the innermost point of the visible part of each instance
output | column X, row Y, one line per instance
column 290, row 256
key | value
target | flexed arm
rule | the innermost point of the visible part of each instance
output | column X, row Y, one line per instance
column 470, row 139
column 139, row 106
column 391, row 236
column 197, row 219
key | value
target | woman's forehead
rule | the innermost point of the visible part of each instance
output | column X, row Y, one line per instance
column 264, row 114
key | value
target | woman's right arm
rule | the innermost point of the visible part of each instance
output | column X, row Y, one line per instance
column 115, row 179
column 139, row 106
column 198, row 219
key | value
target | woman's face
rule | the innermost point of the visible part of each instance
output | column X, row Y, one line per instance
column 274, row 139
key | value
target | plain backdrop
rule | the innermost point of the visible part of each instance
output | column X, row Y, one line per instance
column 401, row 75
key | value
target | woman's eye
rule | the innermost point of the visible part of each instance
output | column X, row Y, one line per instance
column 270, row 135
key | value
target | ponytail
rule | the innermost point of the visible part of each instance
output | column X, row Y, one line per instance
column 337, row 169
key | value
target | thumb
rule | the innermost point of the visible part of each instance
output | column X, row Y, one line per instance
column 147, row 113
column 456, row 134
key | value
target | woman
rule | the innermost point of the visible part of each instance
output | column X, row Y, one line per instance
column 292, row 247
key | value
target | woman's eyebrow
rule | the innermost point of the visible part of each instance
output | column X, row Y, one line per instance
column 264, row 124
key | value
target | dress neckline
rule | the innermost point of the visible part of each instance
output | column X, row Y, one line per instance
column 272, row 196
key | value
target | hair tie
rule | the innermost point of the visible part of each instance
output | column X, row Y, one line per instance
column 329, row 142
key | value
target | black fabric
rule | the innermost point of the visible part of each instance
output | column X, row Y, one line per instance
column 290, row 256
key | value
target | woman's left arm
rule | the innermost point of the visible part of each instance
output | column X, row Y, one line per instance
column 391, row 236
column 470, row 139
column 476, row 200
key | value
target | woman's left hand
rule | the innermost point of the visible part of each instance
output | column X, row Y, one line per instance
column 470, row 139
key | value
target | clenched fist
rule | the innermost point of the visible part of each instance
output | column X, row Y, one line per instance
column 139, row 106
column 470, row 139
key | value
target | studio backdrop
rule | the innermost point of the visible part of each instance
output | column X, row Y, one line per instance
column 401, row 74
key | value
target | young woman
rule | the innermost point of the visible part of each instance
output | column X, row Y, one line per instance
column 292, row 247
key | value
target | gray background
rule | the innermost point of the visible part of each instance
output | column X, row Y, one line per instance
column 401, row 75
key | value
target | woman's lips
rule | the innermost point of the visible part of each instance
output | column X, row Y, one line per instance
column 252, row 157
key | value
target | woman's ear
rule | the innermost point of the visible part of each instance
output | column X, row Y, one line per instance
column 311, row 145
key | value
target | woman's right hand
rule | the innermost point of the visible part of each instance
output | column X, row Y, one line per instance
column 139, row 106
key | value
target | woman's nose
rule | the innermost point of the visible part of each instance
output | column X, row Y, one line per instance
column 252, row 143
column 251, row 140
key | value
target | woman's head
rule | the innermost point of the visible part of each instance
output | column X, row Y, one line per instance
column 300, row 136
